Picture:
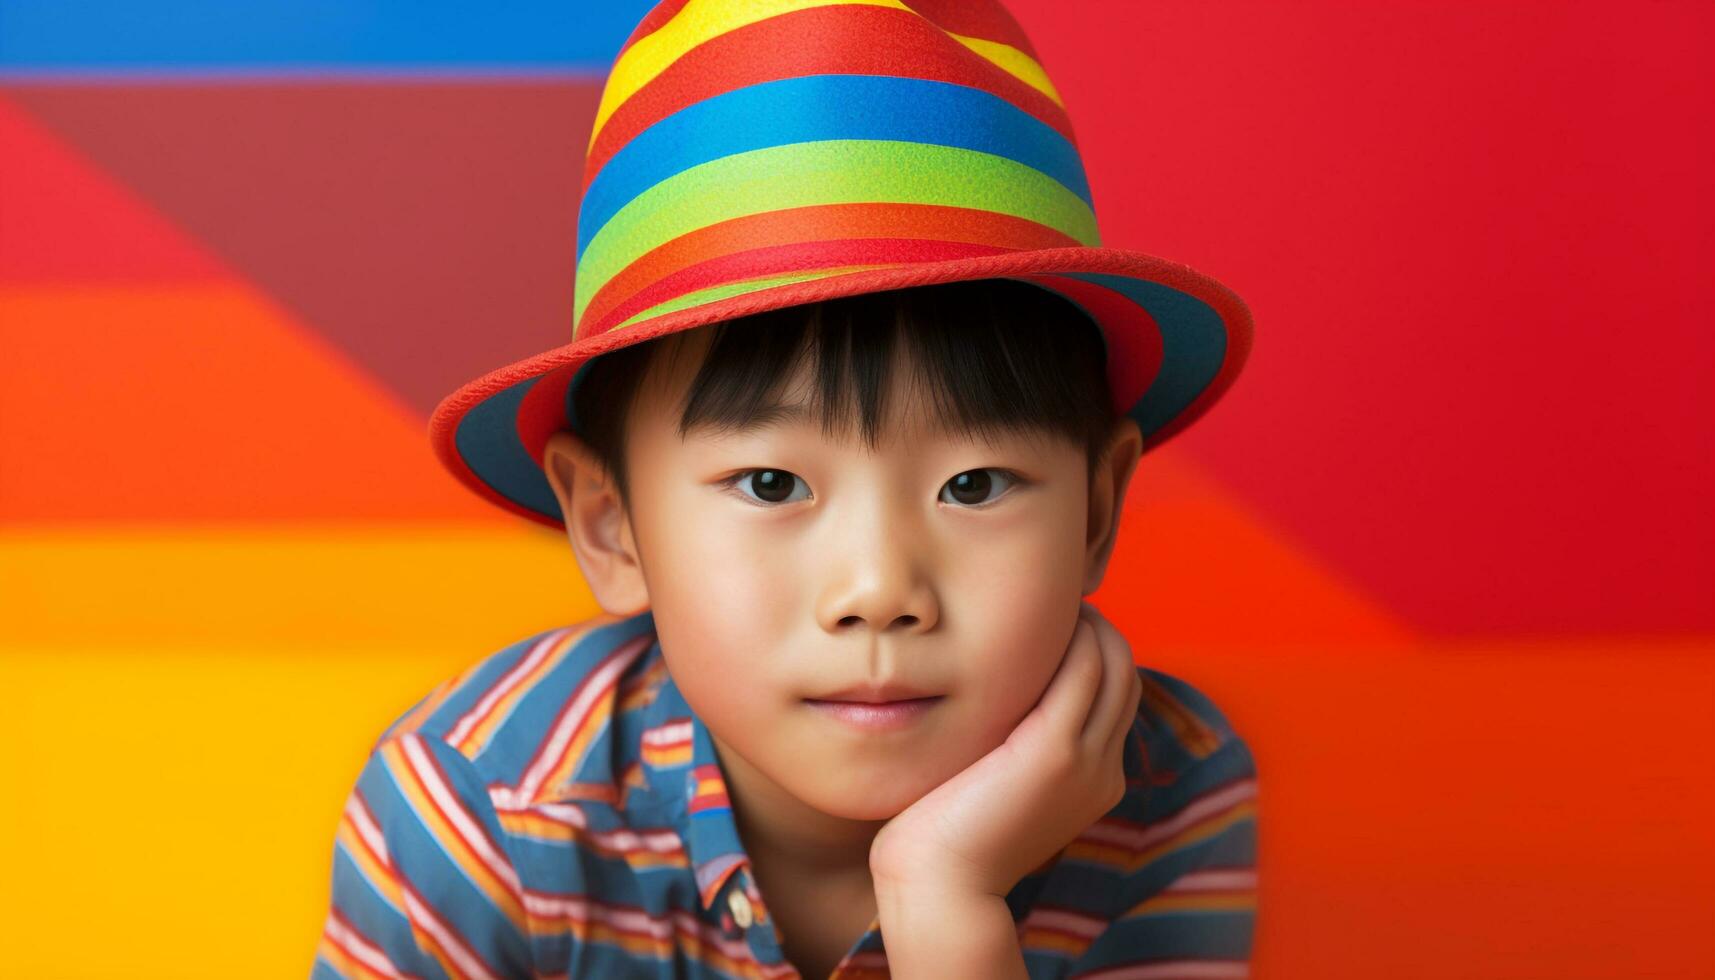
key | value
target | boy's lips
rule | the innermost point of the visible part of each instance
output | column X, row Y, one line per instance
column 876, row 693
column 875, row 716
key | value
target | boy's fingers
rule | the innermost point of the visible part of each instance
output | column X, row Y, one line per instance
column 1067, row 699
column 1119, row 673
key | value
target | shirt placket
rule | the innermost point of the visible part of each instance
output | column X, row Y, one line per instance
column 746, row 914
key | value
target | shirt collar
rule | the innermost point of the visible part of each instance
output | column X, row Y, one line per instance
column 684, row 783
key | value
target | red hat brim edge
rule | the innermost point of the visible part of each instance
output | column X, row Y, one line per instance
column 1204, row 332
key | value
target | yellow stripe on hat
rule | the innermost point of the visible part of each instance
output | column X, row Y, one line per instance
column 697, row 22
column 701, row 21
column 1012, row 61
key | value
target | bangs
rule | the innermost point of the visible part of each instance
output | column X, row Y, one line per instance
column 988, row 356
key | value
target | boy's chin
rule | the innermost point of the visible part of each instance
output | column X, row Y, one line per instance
column 847, row 805
column 850, row 798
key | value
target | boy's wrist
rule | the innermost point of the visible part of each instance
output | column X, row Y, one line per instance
column 938, row 929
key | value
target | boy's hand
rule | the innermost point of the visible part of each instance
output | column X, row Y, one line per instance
column 1062, row 767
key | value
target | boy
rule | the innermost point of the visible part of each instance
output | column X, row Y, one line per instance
column 843, row 689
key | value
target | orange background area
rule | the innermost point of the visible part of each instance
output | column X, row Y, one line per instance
column 1445, row 555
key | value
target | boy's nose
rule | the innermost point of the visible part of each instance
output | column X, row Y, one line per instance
column 879, row 581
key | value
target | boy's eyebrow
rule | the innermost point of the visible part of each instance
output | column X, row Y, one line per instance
column 798, row 413
column 773, row 414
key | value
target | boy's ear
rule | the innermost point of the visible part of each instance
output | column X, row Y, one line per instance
column 596, row 524
column 1107, row 498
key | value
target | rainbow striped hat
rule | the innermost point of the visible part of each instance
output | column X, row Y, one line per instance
column 754, row 154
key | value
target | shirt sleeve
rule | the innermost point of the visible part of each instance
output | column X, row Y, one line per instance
column 1187, row 904
column 422, row 885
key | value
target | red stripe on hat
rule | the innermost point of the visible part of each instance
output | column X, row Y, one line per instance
column 873, row 41
column 613, row 303
column 764, row 262
column 989, row 21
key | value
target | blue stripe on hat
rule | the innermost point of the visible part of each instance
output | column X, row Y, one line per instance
column 1193, row 342
column 827, row 107
column 487, row 438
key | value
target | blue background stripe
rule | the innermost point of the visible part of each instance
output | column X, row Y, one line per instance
column 184, row 37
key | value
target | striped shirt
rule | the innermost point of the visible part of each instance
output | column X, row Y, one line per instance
column 557, row 810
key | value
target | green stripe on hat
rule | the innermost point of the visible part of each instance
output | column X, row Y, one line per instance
column 826, row 172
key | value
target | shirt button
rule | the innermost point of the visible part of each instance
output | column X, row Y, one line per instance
column 739, row 903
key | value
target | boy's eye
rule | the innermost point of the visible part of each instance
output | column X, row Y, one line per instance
column 972, row 487
column 770, row 486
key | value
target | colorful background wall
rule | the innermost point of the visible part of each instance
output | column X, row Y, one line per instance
column 1446, row 553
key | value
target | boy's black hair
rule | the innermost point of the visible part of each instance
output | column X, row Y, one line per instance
column 991, row 355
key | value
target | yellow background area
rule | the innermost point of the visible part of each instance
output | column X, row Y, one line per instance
column 190, row 707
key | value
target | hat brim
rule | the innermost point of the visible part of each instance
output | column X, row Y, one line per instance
column 1176, row 341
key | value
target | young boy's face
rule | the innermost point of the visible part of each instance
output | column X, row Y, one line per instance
column 852, row 567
